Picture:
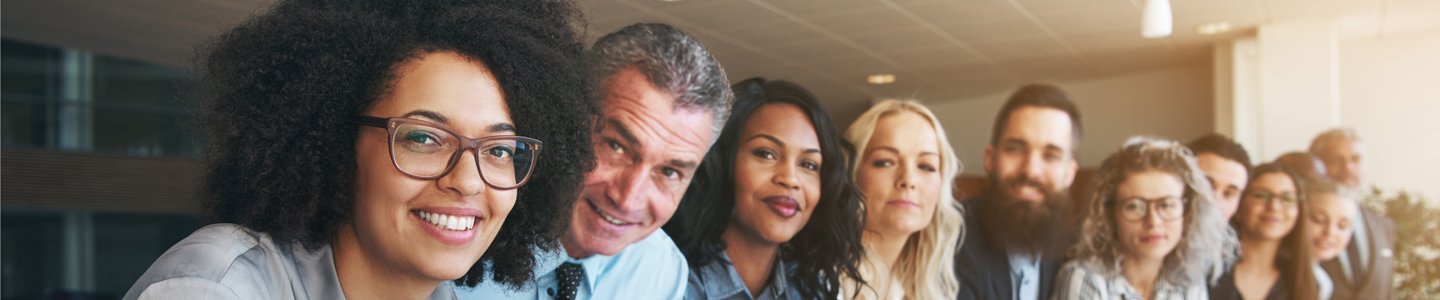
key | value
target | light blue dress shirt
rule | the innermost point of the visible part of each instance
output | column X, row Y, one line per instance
column 1025, row 276
column 652, row 268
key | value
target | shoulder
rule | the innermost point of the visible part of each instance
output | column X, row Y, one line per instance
column 1078, row 280
column 211, row 261
column 653, row 264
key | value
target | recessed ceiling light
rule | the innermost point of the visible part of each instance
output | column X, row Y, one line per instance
column 881, row 78
column 1213, row 28
column 672, row 0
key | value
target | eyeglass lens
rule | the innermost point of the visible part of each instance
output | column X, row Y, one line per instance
column 426, row 151
column 1137, row 208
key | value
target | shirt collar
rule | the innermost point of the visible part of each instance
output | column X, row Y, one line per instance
column 722, row 281
column 594, row 265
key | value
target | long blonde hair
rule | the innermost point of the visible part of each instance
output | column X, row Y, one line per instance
column 925, row 268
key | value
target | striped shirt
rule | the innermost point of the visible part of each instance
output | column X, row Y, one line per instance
column 1076, row 281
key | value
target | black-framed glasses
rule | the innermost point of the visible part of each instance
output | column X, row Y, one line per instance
column 427, row 150
column 1287, row 200
column 1135, row 209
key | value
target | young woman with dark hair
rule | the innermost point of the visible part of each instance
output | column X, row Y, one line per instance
column 772, row 212
column 373, row 149
column 1275, row 257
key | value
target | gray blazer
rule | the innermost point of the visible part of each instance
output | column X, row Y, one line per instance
column 1376, row 283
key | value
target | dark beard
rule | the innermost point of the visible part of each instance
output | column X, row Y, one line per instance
column 1018, row 227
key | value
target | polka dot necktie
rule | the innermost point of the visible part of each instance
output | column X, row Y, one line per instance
column 570, row 276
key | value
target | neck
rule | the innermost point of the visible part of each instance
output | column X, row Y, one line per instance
column 1259, row 253
column 752, row 257
column 886, row 248
column 363, row 277
column 1142, row 273
column 572, row 248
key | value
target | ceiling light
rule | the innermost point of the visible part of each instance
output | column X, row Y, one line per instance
column 881, row 78
column 1213, row 28
column 1157, row 21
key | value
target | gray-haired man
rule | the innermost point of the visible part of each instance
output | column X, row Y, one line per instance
column 664, row 99
column 1364, row 269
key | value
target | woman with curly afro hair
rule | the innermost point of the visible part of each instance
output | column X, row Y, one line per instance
column 371, row 149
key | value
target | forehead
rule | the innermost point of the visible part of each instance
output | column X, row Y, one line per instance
column 461, row 90
column 1274, row 182
column 784, row 121
column 650, row 115
column 1343, row 147
column 1149, row 184
column 1217, row 166
column 906, row 131
column 1331, row 203
column 1039, row 126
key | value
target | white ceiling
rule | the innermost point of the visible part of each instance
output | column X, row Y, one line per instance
column 938, row 49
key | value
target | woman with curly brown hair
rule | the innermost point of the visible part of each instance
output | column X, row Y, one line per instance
column 384, row 150
column 1150, row 231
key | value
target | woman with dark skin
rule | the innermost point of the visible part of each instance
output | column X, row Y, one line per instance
column 772, row 209
column 1275, row 257
column 370, row 149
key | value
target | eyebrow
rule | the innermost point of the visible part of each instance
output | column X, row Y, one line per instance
column 502, row 127
column 429, row 115
column 768, row 137
column 620, row 129
column 684, row 164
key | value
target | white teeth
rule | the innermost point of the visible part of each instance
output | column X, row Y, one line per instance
column 608, row 218
column 448, row 222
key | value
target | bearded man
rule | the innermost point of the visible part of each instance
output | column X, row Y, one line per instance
column 1017, row 230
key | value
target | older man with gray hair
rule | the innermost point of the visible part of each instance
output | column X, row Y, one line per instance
column 1365, row 268
column 663, row 100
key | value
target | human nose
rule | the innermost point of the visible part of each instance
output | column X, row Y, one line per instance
column 464, row 178
column 785, row 177
column 904, row 178
column 629, row 187
column 1033, row 164
column 1152, row 215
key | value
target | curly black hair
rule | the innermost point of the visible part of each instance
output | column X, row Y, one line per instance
column 281, row 89
column 828, row 247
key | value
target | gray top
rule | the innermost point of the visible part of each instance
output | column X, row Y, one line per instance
column 227, row 261
column 1077, row 281
column 723, row 283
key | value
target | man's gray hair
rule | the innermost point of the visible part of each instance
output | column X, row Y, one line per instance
column 1342, row 133
column 672, row 60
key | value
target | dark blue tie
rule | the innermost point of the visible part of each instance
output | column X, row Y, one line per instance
column 570, row 275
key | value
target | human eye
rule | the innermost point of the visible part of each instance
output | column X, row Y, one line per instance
column 763, row 153
column 928, row 167
column 615, row 146
column 881, row 163
column 500, row 151
column 671, row 173
column 1133, row 205
column 1053, row 156
column 810, row 165
column 1172, row 204
column 1011, row 148
column 420, row 140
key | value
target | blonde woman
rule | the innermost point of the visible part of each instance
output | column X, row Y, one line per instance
column 904, row 166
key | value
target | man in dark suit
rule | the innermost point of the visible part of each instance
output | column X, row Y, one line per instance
column 1365, row 268
column 1016, row 232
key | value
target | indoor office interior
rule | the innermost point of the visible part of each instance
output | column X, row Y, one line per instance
column 101, row 160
